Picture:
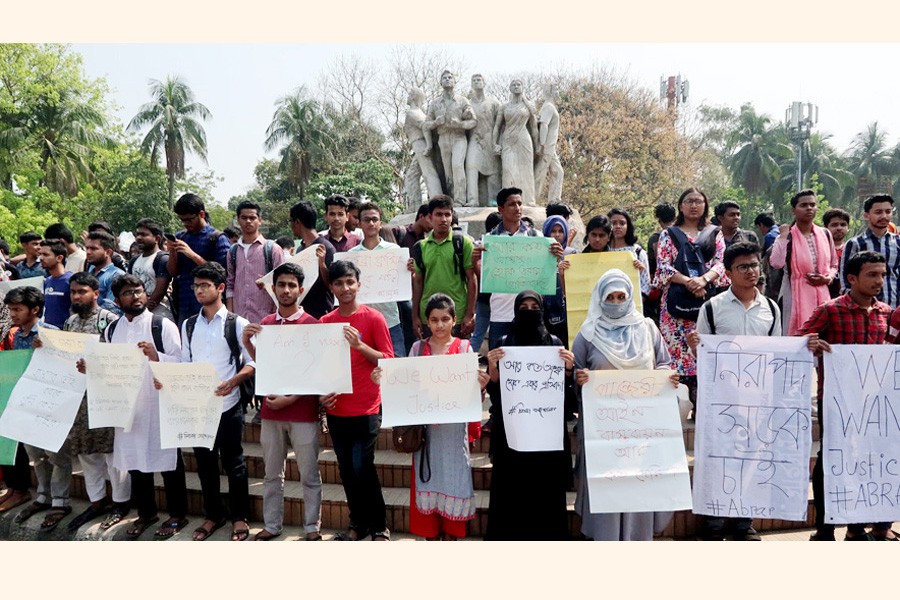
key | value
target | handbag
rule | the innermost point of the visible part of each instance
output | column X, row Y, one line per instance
column 681, row 302
column 408, row 438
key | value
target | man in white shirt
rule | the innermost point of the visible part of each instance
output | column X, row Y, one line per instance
column 212, row 336
column 370, row 218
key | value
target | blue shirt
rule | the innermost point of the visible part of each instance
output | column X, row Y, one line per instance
column 57, row 300
column 771, row 237
column 35, row 270
column 106, row 276
column 211, row 250
column 888, row 246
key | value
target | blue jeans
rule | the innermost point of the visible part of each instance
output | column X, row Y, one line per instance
column 482, row 320
column 398, row 340
column 354, row 446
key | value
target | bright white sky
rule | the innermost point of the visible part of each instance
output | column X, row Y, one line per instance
column 851, row 83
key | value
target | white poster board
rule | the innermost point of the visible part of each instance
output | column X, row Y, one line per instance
column 753, row 429
column 633, row 445
column 532, row 393
column 43, row 405
column 35, row 282
column 429, row 390
column 303, row 359
column 115, row 375
column 189, row 410
column 383, row 274
column 861, row 437
column 308, row 261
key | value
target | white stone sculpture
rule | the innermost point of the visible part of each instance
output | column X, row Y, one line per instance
column 515, row 136
column 421, row 165
column 451, row 116
column 482, row 165
column 548, row 166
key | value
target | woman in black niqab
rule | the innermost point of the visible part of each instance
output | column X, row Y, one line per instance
column 528, row 489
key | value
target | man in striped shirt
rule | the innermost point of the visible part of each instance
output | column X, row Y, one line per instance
column 878, row 212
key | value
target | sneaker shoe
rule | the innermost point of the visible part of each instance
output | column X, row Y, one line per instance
column 750, row 535
column 863, row 537
column 822, row 537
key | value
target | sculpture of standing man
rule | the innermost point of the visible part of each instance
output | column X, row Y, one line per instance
column 547, row 158
column 451, row 115
column 515, row 134
column 482, row 165
column 421, row 165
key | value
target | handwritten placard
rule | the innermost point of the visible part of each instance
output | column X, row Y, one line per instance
column 532, row 392
column 12, row 365
column 633, row 446
column 511, row 264
column 189, row 410
column 383, row 274
column 581, row 277
column 429, row 390
column 115, row 375
column 35, row 282
column 303, row 359
column 753, row 430
column 43, row 404
column 861, row 434
column 308, row 261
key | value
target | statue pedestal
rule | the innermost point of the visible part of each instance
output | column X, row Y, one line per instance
column 471, row 219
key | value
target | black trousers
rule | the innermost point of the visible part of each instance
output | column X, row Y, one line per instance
column 354, row 441
column 18, row 476
column 228, row 449
column 143, row 492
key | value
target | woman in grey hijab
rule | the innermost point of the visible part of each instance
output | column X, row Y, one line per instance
column 615, row 336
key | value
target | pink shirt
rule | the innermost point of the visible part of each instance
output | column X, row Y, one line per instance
column 247, row 299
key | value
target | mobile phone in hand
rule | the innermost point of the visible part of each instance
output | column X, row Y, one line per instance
column 170, row 237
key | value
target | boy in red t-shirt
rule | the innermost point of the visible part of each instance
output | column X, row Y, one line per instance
column 354, row 419
column 294, row 417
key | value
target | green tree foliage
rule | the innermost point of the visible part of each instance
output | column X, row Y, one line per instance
column 175, row 125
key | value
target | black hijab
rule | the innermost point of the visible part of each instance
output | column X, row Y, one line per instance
column 528, row 328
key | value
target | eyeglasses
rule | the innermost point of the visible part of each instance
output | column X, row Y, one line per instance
column 370, row 219
column 201, row 286
column 133, row 293
column 188, row 218
column 694, row 202
column 747, row 267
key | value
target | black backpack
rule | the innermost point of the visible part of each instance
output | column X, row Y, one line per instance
column 458, row 263
column 155, row 331
column 691, row 262
column 248, row 387
column 267, row 255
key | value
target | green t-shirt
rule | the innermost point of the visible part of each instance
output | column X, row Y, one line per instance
column 440, row 274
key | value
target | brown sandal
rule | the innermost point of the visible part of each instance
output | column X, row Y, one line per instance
column 265, row 535
column 56, row 514
column 31, row 510
column 202, row 533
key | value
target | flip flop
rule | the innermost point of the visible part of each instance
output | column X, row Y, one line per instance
column 31, row 510
column 139, row 527
column 170, row 528
column 52, row 519
column 204, row 533
column 240, row 535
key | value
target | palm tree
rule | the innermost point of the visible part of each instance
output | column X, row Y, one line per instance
column 175, row 119
column 818, row 157
column 869, row 156
column 63, row 132
column 301, row 130
column 758, row 148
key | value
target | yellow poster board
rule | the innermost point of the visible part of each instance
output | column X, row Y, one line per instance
column 582, row 276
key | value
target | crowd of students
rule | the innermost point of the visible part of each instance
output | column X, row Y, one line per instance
column 194, row 297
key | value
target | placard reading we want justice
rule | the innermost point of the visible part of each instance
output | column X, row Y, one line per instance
column 430, row 390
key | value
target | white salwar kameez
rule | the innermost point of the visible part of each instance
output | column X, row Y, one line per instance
column 139, row 449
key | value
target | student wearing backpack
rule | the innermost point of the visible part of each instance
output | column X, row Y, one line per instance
column 689, row 262
column 249, row 259
column 214, row 336
column 740, row 310
column 198, row 244
column 443, row 263
column 151, row 267
column 806, row 253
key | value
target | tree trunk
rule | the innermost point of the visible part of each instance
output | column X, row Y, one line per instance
column 171, row 191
